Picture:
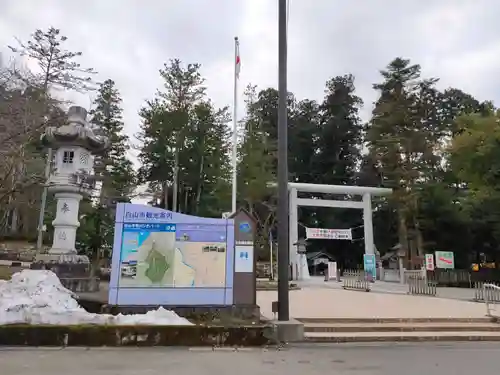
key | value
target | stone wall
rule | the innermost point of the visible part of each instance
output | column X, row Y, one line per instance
column 90, row 335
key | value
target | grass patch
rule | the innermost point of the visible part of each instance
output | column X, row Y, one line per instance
column 6, row 272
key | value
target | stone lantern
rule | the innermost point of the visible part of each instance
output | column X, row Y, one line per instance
column 74, row 145
column 301, row 245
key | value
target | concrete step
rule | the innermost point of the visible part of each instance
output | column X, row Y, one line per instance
column 396, row 320
column 345, row 337
column 403, row 327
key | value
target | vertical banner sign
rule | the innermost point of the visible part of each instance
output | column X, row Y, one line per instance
column 332, row 271
column 429, row 262
column 445, row 259
column 369, row 265
column 328, row 234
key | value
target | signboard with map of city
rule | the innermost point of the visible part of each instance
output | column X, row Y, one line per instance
column 162, row 257
column 173, row 255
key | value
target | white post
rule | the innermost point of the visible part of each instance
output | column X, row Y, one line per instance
column 235, row 122
column 401, row 270
column 368, row 224
column 271, row 254
column 293, row 232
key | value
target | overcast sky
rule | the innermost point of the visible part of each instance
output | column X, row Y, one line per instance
column 129, row 40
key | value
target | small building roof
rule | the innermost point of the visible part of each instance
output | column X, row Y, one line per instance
column 318, row 254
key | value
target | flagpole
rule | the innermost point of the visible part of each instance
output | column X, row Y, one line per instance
column 235, row 123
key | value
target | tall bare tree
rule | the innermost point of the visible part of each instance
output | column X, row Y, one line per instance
column 58, row 68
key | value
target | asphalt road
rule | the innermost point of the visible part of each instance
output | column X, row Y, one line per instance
column 387, row 359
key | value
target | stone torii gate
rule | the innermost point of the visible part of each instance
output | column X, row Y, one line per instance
column 298, row 261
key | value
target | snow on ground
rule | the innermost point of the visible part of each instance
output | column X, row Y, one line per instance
column 38, row 297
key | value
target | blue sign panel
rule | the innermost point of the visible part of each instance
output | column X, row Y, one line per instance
column 370, row 267
column 245, row 227
column 165, row 258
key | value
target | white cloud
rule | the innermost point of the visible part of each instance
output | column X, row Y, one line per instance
column 128, row 41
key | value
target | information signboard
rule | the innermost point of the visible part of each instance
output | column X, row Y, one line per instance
column 445, row 259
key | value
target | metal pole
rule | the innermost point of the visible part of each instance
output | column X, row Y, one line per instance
column 283, row 245
column 43, row 203
column 235, row 129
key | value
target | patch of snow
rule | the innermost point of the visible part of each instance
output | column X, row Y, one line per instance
column 38, row 297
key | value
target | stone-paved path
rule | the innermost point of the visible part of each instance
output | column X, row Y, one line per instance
column 318, row 299
column 312, row 302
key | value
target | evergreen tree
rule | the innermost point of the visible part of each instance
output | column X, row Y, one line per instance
column 58, row 66
column 304, row 126
column 113, row 168
column 390, row 135
column 210, row 147
column 115, row 172
column 257, row 163
column 58, row 69
column 340, row 133
column 185, row 144
column 335, row 161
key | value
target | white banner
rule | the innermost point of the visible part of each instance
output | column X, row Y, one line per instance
column 429, row 262
column 328, row 234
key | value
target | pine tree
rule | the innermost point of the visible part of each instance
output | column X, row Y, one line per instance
column 335, row 161
column 115, row 172
column 113, row 168
column 340, row 133
column 209, row 156
column 304, row 125
column 185, row 140
column 398, row 136
column 58, row 68
column 257, row 163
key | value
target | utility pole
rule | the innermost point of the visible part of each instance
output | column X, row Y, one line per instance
column 283, row 245
column 43, row 203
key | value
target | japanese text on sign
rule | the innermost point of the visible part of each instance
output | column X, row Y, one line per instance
column 331, row 234
column 429, row 262
column 148, row 215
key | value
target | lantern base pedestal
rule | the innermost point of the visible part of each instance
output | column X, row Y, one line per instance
column 73, row 270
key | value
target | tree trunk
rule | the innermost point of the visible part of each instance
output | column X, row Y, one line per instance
column 175, row 190
column 165, row 194
column 200, row 183
column 403, row 233
column 96, row 263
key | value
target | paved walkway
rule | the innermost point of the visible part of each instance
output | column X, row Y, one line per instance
column 320, row 299
column 390, row 287
column 310, row 302
column 386, row 359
